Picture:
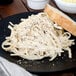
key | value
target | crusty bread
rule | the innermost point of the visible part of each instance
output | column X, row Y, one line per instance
column 61, row 19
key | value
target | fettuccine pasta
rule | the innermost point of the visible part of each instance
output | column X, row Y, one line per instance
column 37, row 37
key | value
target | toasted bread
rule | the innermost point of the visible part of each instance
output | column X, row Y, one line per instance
column 61, row 19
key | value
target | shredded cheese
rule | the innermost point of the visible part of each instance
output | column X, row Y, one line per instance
column 70, row 1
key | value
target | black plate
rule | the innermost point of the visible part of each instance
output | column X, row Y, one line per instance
column 59, row 64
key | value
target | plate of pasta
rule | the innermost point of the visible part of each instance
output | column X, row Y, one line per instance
column 37, row 44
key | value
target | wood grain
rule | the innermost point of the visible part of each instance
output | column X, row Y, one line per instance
column 14, row 8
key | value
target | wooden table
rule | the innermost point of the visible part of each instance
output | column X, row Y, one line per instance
column 19, row 6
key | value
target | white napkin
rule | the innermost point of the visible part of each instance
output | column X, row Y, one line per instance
column 11, row 69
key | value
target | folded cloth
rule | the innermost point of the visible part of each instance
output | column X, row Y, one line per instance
column 10, row 69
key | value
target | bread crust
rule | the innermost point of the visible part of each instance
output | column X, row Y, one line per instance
column 61, row 19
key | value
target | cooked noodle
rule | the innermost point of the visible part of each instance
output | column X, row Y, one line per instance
column 37, row 37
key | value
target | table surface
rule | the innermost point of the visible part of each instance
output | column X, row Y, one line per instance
column 19, row 6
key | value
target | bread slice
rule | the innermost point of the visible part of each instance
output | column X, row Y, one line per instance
column 61, row 19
